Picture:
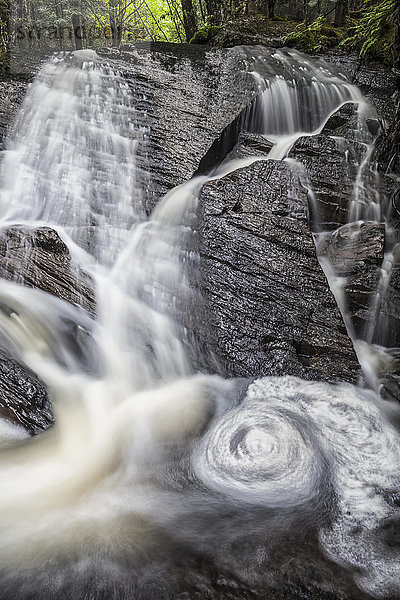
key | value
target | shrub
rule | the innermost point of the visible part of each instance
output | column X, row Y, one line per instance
column 205, row 34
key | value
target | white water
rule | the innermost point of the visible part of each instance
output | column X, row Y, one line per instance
column 128, row 454
column 297, row 97
column 75, row 140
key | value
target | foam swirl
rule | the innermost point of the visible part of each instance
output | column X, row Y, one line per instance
column 263, row 452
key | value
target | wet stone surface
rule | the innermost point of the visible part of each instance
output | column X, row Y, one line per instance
column 23, row 398
column 263, row 290
column 356, row 252
column 38, row 258
column 331, row 179
column 271, row 305
column 11, row 96
column 188, row 95
column 272, row 310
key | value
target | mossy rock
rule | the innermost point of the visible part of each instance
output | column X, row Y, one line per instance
column 316, row 37
column 205, row 34
column 383, row 50
column 304, row 40
column 331, row 32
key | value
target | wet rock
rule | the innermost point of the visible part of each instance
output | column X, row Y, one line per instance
column 386, row 327
column 270, row 304
column 38, row 258
column 187, row 95
column 273, row 310
column 356, row 252
column 11, row 96
column 264, row 291
column 381, row 86
column 377, row 82
column 23, row 397
column 253, row 30
column 331, row 177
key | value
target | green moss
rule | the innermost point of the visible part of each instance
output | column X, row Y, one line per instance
column 382, row 49
column 373, row 33
column 318, row 36
column 205, row 34
column 302, row 39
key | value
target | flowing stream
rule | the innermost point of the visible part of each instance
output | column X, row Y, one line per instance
column 146, row 455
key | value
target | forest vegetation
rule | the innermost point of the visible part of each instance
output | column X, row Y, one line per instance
column 368, row 26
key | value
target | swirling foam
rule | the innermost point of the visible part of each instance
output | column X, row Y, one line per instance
column 262, row 453
column 278, row 448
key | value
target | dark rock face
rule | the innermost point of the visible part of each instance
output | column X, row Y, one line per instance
column 11, row 96
column 272, row 310
column 264, row 291
column 252, row 31
column 358, row 258
column 23, row 398
column 38, row 258
column 377, row 82
column 271, row 306
column 187, row 95
column 331, row 179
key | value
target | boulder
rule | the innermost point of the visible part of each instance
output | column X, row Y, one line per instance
column 23, row 397
column 356, row 252
column 38, row 258
column 270, row 304
column 185, row 95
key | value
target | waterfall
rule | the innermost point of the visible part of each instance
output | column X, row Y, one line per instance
column 75, row 140
column 148, row 457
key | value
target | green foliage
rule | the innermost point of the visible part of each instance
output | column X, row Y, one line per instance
column 315, row 37
column 373, row 34
column 205, row 34
column 52, row 25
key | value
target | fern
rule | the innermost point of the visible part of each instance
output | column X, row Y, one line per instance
column 318, row 35
column 374, row 32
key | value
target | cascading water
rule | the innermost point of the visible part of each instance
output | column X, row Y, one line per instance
column 75, row 140
column 145, row 455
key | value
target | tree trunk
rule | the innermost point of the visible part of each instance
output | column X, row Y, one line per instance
column 271, row 9
column 58, row 9
column 305, row 12
column 116, row 31
column 341, row 12
column 76, row 25
column 189, row 19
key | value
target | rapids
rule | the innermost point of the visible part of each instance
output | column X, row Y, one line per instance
column 147, row 457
